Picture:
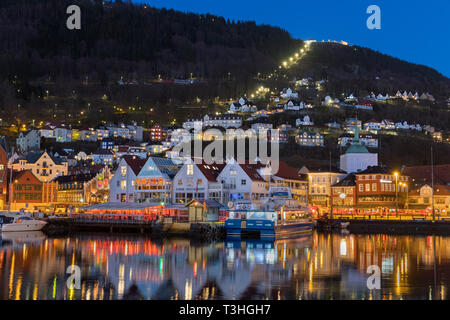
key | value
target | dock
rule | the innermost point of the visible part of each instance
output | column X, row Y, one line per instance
column 160, row 228
column 396, row 225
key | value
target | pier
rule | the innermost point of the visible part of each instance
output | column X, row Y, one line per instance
column 402, row 224
column 124, row 223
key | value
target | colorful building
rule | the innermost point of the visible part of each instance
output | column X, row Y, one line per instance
column 29, row 193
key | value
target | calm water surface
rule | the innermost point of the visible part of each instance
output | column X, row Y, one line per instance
column 320, row 266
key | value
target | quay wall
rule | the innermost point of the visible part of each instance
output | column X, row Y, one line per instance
column 398, row 227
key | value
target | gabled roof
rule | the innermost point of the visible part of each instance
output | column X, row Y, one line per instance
column 287, row 172
column 210, row 171
column 252, row 171
column 135, row 163
column 348, row 181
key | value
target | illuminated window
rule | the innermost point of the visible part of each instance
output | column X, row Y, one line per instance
column 123, row 171
column 190, row 169
column 123, row 184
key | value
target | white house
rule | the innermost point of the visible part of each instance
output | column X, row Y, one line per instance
column 305, row 122
column 350, row 98
column 103, row 156
column 402, row 125
column 387, row 124
column 28, row 141
column 372, row 125
column 226, row 121
column 242, row 183
column 197, row 181
column 63, row 134
column 261, row 126
column 310, row 139
column 121, row 186
column 243, row 105
column 47, row 132
column 288, row 94
column 328, row 101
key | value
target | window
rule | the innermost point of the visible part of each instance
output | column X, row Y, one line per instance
column 361, row 188
column 123, row 184
column 190, row 170
column 2, row 166
column 123, row 171
column 180, row 182
column 243, row 182
column 374, row 187
column 367, row 187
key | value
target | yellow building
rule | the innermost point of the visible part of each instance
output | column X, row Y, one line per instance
column 421, row 198
column 42, row 165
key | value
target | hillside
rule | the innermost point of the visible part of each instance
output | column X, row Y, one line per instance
column 73, row 76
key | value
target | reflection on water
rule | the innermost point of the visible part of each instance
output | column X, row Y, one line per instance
column 320, row 266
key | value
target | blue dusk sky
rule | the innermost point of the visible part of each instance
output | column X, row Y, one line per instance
column 413, row 30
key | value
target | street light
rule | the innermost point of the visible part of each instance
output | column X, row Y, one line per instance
column 396, row 193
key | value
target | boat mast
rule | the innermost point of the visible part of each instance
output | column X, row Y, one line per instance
column 432, row 184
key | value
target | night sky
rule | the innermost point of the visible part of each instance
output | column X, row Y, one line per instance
column 413, row 30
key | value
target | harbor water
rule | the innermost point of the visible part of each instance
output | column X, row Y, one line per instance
column 326, row 266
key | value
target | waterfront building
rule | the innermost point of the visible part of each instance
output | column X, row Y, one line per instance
column 29, row 193
column 197, row 181
column 292, row 178
column 154, row 181
column 357, row 157
column 242, row 182
column 84, row 188
column 344, row 193
column 319, row 190
column 28, row 141
column 421, row 198
column 376, row 190
column 43, row 166
column 121, row 187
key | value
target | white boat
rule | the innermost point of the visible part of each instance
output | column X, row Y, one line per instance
column 20, row 223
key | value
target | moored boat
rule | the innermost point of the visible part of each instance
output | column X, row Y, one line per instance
column 20, row 223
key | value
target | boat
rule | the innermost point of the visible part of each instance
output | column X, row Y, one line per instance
column 20, row 223
column 279, row 216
